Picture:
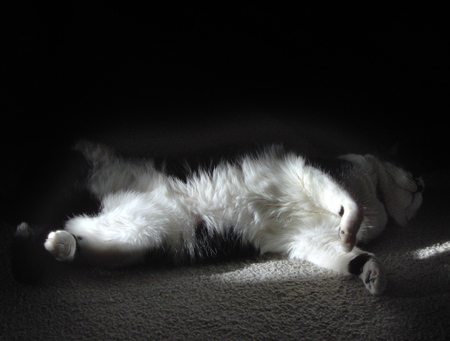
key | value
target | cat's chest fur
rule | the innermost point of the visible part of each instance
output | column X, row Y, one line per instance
column 268, row 193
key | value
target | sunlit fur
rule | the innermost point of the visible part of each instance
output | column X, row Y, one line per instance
column 275, row 201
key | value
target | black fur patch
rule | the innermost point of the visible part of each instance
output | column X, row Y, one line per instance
column 29, row 259
column 355, row 266
column 220, row 245
column 338, row 169
column 210, row 246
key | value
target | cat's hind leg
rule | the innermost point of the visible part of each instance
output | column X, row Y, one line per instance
column 129, row 226
column 86, row 239
column 106, row 240
column 94, row 250
column 61, row 245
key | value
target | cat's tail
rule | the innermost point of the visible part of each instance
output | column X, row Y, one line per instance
column 96, row 154
column 111, row 172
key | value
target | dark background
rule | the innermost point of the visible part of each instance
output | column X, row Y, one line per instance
column 181, row 71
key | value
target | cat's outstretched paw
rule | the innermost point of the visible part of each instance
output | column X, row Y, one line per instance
column 61, row 245
column 373, row 277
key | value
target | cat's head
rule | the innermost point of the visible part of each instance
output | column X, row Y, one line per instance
column 400, row 191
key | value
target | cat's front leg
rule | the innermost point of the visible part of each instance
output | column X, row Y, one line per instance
column 324, row 250
column 375, row 220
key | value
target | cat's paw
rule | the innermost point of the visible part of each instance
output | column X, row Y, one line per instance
column 373, row 277
column 61, row 245
column 352, row 217
column 347, row 239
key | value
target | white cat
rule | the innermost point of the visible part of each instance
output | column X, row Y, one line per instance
column 275, row 201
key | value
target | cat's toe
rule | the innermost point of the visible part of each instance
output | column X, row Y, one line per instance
column 61, row 245
column 374, row 277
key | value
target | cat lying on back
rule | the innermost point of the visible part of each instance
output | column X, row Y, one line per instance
column 275, row 201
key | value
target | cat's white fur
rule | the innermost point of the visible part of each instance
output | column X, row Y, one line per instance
column 275, row 201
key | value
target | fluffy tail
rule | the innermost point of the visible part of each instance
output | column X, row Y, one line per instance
column 96, row 154
column 113, row 173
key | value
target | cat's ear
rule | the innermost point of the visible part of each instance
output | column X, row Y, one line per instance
column 408, row 155
column 389, row 153
column 393, row 150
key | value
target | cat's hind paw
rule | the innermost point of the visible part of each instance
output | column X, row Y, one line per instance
column 61, row 245
column 373, row 277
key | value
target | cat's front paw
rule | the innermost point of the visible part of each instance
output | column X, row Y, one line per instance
column 352, row 217
column 61, row 245
column 373, row 277
column 347, row 239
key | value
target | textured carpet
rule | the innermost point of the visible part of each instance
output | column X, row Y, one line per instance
column 267, row 298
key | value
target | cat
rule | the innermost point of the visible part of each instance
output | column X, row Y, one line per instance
column 275, row 201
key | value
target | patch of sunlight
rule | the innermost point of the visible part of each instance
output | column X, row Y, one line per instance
column 275, row 270
column 432, row 251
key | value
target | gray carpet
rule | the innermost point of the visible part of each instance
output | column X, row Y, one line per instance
column 267, row 298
